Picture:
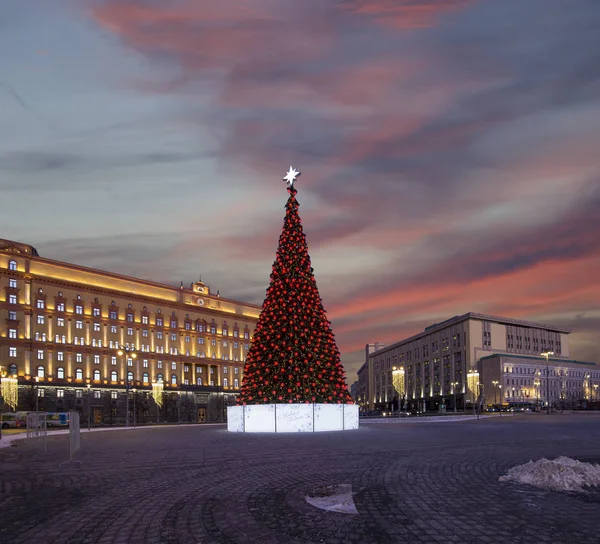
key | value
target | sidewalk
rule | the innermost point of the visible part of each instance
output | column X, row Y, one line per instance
column 8, row 440
column 426, row 419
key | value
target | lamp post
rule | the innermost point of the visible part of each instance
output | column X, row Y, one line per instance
column 495, row 384
column 134, row 407
column 547, row 355
column 473, row 384
column 500, row 388
column 127, row 351
column 454, row 386
column 37, row 393
column 89, row 410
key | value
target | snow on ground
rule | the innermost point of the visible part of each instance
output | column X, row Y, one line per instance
column 561, row 474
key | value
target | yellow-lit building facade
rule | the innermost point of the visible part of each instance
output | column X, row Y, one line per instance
column 89, row 337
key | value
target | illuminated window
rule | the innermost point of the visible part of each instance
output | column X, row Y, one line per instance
column 96, row 327
column 145, row 319
column 145, row 333
column 78, row 393
column 236, row 370
column 130, row 376
column 40, row 303
column 60, row 373
column 12, row 283
column 60, row 306
column 96, row 359
column 200, row 340
column 41, row 372
column 40, row 354
column 173, row 379
column 78, row 357
column 198, row 381
column 78, row 374
column 225, row 382
column 97, row 394
column 12, row 315
column 40, row 320
column 79, row 324
column 12, row 265
column 113, row 360
column 60, row 322
column 145, row 363
column 78, row 309
column 60, row 393
column 145, row 377
column 96, row 374
column 113, row 394
column 12, row 299
column 113, row 377
column 12, row 333
column 96, row 312
column 236, row 383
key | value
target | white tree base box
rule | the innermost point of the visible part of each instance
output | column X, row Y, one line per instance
column 292, row 418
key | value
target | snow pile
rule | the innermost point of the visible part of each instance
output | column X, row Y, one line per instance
column 334, row 498
column 561, row 474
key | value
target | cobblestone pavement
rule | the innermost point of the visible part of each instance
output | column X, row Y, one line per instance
column 434, row 483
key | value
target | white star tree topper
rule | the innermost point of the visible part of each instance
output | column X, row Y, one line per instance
column 291, row 176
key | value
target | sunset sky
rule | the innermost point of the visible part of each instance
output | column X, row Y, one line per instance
column 449, row 149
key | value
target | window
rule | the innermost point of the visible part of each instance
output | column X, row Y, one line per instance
column 145, row 377
column 12, row 333
column 78, row 393
column 113, row 360
column 159, row 378
column 114, row 395
column 60, row 393
column 40, row 392
column 79, row 324
column 12, row 265
column 213, row 329
column 129, row 361
column 96, row 374
column 236, row 383
column 145, row 333
column 186, row 368
column 225, row 382
column 60, row 322
column 60, row 373
column 246, row 335
column 129, row 331
column 78, row 374
column 12, row 316
column 174, row 379
column 198, row 381
column 159, row 321
column 40, row 320
column 173, row 366
column 96, row 327
column 187, row 339
column 213, row 342
column 173, row 324
column 130, row 376
column 173, row 337
column 130, row 318
column 145, row 319
column 40, row 303
column 78, row 309
column 96, row 359
column 60, row 306
column 41, row 372
column 97, row 394
column 224, row 370
column 225, row 343
column 113, row 377
column 236, row 370
column 12, row 299
column 159, row 364
column 145, row 363
column 200, row 340
column 112, row 315
column 78, row 358
column 159, row 335
column 96, row 312
column 212, row 369
column 113, row 329
column 236, row 345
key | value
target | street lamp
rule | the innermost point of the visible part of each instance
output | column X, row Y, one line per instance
column 547, row 354
column 473, row 384
column 495, row 384
column 37, row 393
column 454, row 386
column 88, row 406
column 129, row 351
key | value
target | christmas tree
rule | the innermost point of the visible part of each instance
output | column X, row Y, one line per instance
column 293, row 357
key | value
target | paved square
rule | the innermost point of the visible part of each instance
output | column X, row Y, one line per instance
column 414, row 482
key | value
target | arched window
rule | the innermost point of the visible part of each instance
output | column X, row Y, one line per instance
column 174, row 379
column 130, row 376
column 78, row 374
column 199, row 381
column 41, row 372
column 113, row 376
column 96, row 374
column 60, row 373
column 145, row 377
column 12, row 265
column 225, row 382
column 159, row 378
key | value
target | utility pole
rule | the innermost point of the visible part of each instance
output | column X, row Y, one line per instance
column 547, row 354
